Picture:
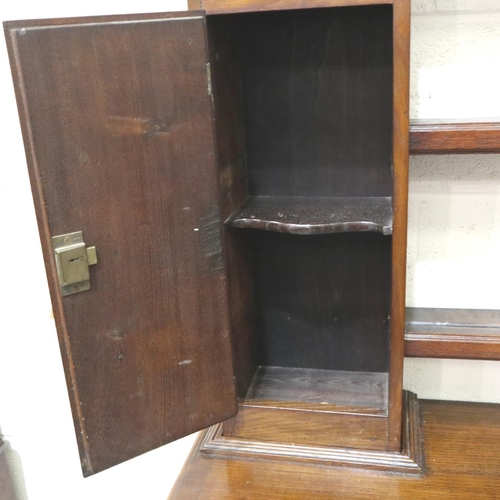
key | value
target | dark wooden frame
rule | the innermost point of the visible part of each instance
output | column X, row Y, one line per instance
column 430, row 138
column 401, row 48
column 146, row 138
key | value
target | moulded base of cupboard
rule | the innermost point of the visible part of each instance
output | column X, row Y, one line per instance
column 282, row 440
column 461, row 443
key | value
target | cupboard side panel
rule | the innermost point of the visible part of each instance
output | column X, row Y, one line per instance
column 231, row 159
column 118, row 129
column 401, row 14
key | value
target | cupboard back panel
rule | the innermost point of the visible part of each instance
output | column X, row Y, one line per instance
column 323, row 301
column 318, row 101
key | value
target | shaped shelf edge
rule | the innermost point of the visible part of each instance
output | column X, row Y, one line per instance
column 314, row 215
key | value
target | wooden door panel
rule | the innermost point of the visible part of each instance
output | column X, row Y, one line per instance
column 117, row 122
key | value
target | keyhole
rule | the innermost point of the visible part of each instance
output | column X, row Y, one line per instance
column 76, row 259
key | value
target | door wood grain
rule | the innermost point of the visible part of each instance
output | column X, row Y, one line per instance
column 118, row 128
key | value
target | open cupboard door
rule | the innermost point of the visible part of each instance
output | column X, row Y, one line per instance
column 118, row 128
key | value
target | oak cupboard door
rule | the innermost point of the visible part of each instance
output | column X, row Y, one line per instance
column 118, row 128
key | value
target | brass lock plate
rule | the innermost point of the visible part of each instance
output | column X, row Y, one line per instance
column 72, row 261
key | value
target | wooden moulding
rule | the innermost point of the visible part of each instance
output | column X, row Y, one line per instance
column 409, row 460
column 454, row 137
column 453, row 333
column 314, row 215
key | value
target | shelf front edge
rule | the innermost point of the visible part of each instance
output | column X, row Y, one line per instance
column 454, row 137
column 453, row 334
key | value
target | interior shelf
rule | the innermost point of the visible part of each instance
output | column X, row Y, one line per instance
column 452, row 333
column 314, row 215
column 454, row 136
column 319, row 390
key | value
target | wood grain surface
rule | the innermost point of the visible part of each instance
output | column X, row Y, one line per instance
column 314, row 214
column 233, row 183
column 454, row 137
column 319, row 390
column 400, row 156
column 117, row 122
column 307, row 406
column 461, row 442
column 311, row 427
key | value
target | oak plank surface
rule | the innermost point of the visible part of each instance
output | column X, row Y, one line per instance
column 461, row 442
column 118, row 128
column 311, row 427
column 322, row 390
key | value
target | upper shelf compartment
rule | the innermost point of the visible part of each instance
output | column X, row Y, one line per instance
column 314, row 215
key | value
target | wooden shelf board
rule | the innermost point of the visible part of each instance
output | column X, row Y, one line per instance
column 319, row 390
column 452, row 333
column 314, row 215
column 454, row 137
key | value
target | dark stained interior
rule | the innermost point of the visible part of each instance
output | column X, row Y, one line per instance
column 314, row 93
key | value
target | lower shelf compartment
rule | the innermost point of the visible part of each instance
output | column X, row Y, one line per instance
column 320, row 390
column 304, row 406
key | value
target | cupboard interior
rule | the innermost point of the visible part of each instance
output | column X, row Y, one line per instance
column 303, row 117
